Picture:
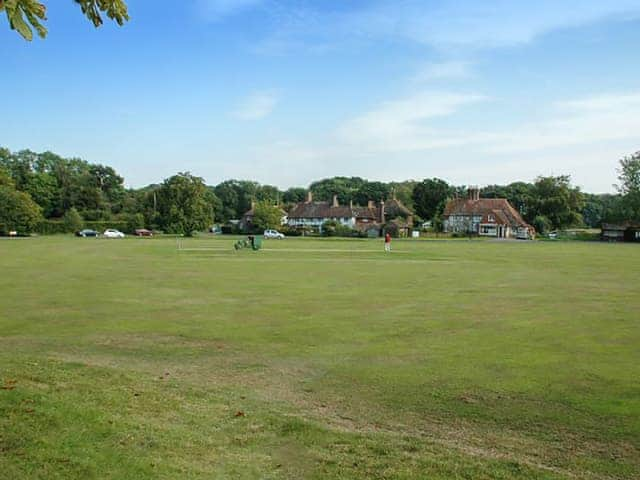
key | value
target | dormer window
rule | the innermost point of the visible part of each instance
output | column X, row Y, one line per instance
column 492, row 218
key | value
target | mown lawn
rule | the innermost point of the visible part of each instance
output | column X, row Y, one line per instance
column 318, row 359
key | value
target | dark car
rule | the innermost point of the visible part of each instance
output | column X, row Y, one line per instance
column 87, row 232
column 143, row 232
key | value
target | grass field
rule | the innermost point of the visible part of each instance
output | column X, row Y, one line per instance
column 318, row 359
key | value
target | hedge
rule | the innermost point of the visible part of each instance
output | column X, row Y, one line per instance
column 51, row 227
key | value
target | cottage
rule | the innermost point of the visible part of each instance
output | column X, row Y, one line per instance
column 370, row 219
column 487, row 217
column 625, row 232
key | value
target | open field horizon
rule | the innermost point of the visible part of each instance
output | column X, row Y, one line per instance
column 318, row 358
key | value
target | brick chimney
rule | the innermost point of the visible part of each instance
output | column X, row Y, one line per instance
column 473, row 193
column 351, row 204
column 309, row 196
column 335, row 201
column 382, row 212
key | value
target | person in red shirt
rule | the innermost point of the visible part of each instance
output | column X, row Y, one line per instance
column 387, row 242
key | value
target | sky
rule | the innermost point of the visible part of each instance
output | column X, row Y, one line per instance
column 290, row 91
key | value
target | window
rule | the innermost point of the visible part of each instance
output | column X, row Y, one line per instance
column 491, row 218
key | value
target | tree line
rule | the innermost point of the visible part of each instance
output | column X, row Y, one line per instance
column 37, row 187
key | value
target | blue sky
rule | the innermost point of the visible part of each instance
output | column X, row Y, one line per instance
column 285, row 92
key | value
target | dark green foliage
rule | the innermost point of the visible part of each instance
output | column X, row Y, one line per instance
column 601, row 208
column 58, row 184
column 294, row 195
column 236, row 197
column 18, row 212
column 430, row 197
column 266, row 216
column 72, row 220
column 134, row 222
column 25, row 15
column 629, row 187
column 184, row 204
column 403, row 191
column 555, row 199
column 333, row 228
column 542, row 224
column 519, row 194
column 268, row 193
column 372, row 191
column 344, row 187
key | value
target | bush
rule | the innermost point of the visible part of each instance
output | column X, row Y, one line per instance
column 18, row 212
column 333, row 228
column 134, row 222
column 229, row 229
column 72, row 221
column 541, row 223
column 290, row 232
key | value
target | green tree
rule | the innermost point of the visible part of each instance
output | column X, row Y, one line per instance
column 541, row 223
column 184, row 204
column 344, row 187
column 430, row 197
column 403, row 191
column 266, row 216
column 518, row 194
column 555, row 199
column 5, row 178
column 629, row 187
column 134, row 222
column 72, row 220
column 24, row 16
column 268, row 193
column 236, row 197
column 18, row 212
column 371, row 191
column 294, row 195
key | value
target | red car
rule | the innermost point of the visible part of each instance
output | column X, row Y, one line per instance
column 143, row 232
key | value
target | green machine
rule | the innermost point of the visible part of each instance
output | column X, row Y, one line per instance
column 254, row 242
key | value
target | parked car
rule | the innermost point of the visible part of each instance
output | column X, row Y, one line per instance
column 87, row 232
column 273, row 234
column 143, row 232
column 553, row 235
column 216, row 230
column 113, row 233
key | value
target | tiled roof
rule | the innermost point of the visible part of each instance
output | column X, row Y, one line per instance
column 320, row 210
column 395, row 208
column 366, row 212
column 392, row 209
column 501, row 210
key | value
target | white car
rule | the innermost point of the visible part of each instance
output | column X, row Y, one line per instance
column 113, row 233
column 273, row 234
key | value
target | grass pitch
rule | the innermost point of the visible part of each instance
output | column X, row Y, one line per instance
column 318, row 359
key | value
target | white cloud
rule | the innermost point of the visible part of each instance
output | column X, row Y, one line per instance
column 599, row 118
column 256, row 106
column 465, row 25
column 403, row 125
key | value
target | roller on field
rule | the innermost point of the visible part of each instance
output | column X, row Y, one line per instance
column 254, row 242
